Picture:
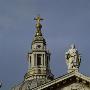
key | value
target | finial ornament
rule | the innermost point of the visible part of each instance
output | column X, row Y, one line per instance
column 38, row 25
column 73, row 59
column 38, row 19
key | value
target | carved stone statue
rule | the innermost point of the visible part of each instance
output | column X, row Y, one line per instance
column 77, row 86
column 0, row 84
column 73, row 59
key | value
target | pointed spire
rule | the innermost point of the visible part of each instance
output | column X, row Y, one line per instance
column 38, row 25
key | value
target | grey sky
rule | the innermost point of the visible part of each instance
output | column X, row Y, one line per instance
column 66, row 22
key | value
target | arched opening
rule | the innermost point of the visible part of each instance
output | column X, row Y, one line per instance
column 39, row 59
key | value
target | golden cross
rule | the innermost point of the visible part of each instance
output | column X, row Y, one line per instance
column 38, row 19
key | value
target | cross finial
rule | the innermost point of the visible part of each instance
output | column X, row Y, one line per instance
column 38, row 19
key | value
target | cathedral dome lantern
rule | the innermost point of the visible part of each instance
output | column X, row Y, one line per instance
column 39, row 57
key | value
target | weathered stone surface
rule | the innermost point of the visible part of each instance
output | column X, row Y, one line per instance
column 75, row 86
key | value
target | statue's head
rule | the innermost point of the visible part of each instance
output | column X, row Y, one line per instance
column 73, row 46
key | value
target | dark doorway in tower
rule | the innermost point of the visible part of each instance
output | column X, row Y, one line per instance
column 39, row 59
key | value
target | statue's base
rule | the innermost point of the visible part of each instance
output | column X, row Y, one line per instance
column 73, row 70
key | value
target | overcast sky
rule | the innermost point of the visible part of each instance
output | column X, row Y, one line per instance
column 65, row 22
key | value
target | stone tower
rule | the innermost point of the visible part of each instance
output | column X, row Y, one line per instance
column 39, row 57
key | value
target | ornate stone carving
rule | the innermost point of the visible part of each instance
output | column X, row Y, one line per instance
column 77, row 86
column 73, row 59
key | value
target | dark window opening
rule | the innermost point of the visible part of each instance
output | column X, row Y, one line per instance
column 47, row 61
column 38, row 59
column 34, row 59
column 43, row 59
column 30, row 59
